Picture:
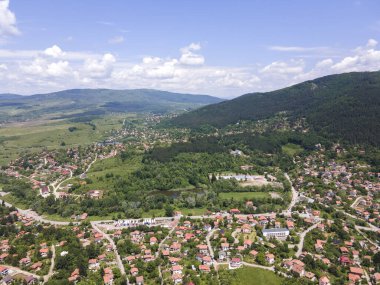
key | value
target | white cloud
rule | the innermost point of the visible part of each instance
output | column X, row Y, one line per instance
column 365, row 59
column 298, row 49
column 188, row 56
column 31, row 71
column 99, row 68
column 58, row 69
column 54, row 51
column 41, row 67
column 191, row 47
column 7, row 20
column 324, row 63
column 116, row 40
column 371, row 43
column 281, row 67
column 151, row 60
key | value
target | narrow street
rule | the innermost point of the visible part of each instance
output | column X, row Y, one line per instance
column 52, row 265
column 302, row 238
column 117, row 256
column 270, row 268
column 294, row 196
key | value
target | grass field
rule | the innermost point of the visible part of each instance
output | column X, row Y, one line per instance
column 114, row 166
column 14, row 201
column 29, row 137
column 292, row 149
column 184, row 211
column 239, row 196
column 255, row 276
column 58, row 218
column 154, row 213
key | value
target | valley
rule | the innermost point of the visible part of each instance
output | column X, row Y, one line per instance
column 148, row 200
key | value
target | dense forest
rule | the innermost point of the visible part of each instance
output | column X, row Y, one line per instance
column 343, row 106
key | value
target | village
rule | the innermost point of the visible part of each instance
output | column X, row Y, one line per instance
column 301, row 242
column 328, row 234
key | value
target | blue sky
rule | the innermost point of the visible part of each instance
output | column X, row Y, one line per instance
column 222, row 48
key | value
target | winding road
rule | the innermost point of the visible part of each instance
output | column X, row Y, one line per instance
column 55, row 188
column 89, row 166
column 302, row 238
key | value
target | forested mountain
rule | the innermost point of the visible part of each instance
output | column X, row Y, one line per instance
column 80, row 102
column 344, row 106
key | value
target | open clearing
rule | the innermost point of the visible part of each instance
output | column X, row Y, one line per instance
column 239, row 196
column 292, row 149
column 29, row 137
column 255, row 276
column 112, row 167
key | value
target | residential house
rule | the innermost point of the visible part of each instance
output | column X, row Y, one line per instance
column 269, row 257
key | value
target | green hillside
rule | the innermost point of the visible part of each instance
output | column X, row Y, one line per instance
column 345, row 106
column 92, row 102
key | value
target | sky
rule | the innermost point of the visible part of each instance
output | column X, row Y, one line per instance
column 216, row 47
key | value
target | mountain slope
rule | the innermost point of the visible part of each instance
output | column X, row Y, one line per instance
column 343, row 106
column 85, row 102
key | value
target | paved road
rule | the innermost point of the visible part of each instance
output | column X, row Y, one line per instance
column 294, row 195
column 55, row 188
column 359, row 228
column 234, row 233
column 17, row 270
column 32, row 214
column 52, row 265
column 373, row 227
column 91, row 163
column 302, row 238
column 117, row 256
column 161, row 244
column 353, row 205
column 209, row 235
column 270, row 268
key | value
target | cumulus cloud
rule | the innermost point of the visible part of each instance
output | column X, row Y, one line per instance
column 43, row 68
column 365, row 59
column 99, row 68
column 54, row 51
column 59, row 68
column 189, row 57
column 52, row 68
column 7, row 20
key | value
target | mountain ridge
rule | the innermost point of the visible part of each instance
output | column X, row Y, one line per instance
column 98, row 101
column 344, row 106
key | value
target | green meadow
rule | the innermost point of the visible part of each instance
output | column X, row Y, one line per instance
column 29, row 137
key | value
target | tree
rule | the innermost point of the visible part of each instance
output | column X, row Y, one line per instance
column 260, row 258
column 169, row 211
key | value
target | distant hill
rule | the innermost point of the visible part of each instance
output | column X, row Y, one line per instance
column 345, row 106
column 92, row 102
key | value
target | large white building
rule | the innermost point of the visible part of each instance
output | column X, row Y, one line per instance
column 280, row 233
